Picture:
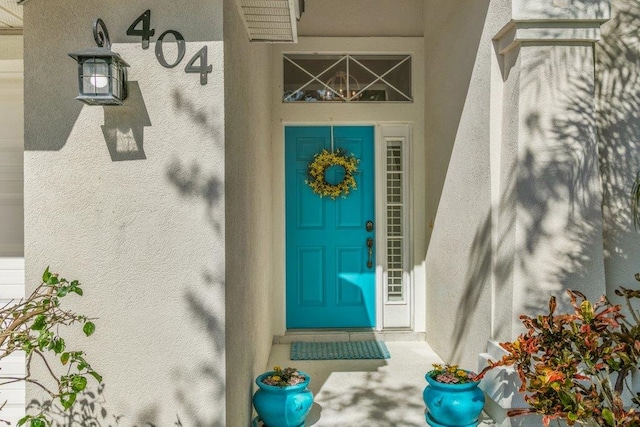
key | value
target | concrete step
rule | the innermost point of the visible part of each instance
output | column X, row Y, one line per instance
column 345, row 335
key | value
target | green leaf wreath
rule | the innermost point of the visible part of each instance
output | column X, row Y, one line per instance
column 324, row 160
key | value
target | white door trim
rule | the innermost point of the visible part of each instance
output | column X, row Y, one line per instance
column 393, row 314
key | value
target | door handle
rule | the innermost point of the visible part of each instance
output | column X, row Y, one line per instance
column 370, row 246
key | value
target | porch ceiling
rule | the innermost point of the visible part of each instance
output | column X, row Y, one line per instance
column 10, row 17
column 271, row 20
column 265, row 20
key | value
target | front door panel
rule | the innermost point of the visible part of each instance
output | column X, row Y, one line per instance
column 329, row 284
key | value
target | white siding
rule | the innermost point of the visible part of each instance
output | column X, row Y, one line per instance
column 11, row 159
column 12, row 288
column 11, row 210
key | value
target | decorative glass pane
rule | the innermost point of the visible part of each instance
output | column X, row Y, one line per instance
column 95, row 76
column 115, row 81
column 393, row 75
column 346, row 78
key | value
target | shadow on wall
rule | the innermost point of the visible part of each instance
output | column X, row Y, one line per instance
column 208, row 386
column 459, row 54
column 618, row 92
column 124, row 125
column 210, row 375
column 63, row 114
column 556, row 198
column 89, row 410
column 191, row 182
column 199, row 115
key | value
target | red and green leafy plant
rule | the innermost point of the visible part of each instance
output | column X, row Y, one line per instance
column 32, row 325
column 574, row 366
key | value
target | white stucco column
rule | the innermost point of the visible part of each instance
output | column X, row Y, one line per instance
column 130, row 201
column 546, row 191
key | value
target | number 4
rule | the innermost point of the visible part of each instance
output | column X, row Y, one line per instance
column 145, row 32
column 203, row 68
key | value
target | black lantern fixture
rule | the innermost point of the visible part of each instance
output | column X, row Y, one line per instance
column 102, row 74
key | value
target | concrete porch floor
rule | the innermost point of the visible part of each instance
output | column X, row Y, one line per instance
column 372, row 393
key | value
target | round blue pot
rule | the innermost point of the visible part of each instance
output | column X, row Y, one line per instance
column 282, row 406
column 452, row 405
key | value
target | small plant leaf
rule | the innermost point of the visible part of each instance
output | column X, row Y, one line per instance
column 79, row 383
column 89, row 328
column 64, row 358
column 67, row 400
column 45, row 278
column 608, row 417
column 96, row 375
column 40, row 323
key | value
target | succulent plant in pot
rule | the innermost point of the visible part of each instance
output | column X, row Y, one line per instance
column 452, row 396
column 283, row 398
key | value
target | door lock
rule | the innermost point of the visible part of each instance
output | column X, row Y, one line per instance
column 369, row 226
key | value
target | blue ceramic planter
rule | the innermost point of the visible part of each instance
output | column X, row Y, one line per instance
column 452, row 405
column 282, row 406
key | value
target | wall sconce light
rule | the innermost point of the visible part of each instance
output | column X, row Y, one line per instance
column 102, row 74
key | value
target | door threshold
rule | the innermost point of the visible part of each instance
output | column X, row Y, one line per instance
column 343, row 335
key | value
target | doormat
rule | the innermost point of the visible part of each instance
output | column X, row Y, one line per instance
column 339, row 350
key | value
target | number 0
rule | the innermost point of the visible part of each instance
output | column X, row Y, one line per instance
column 160, row 52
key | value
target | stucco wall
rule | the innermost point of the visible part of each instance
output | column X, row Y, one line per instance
column 558, row 221
column 458, row 58
column 618, row 73
column 560, row 9
column 513, row 183
column 248, row 192
column 362, row 18
column 130, row 201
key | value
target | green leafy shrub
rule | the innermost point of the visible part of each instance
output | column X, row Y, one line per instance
column 32, row 325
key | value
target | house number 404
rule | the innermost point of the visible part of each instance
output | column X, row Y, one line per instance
column 144, row 20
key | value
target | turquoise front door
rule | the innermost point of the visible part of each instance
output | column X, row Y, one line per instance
column 330, row 256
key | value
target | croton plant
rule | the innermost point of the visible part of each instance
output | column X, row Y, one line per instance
column 574, row 366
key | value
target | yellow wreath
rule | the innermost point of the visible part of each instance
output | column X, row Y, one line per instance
column 324, row 160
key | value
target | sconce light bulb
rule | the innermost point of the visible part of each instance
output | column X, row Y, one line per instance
column 100, row 81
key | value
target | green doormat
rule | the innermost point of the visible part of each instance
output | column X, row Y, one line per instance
column 339, row 350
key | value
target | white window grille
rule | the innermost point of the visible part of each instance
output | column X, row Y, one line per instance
column 346, row 78
column 396, row 210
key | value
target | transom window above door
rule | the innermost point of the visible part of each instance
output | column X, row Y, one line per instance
column 346, row 78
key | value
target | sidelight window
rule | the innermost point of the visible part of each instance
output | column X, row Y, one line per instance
column 396, row 217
